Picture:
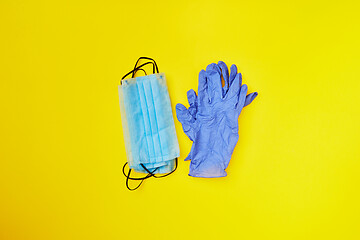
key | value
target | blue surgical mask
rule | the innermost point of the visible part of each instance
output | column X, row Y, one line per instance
column 148, row 124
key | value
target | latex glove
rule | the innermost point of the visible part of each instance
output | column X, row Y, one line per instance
column 183, row 113
column 214, row 129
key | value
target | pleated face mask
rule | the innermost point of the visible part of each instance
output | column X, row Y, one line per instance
column 148, row 124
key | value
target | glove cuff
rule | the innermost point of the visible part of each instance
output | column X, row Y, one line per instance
column 207, row 169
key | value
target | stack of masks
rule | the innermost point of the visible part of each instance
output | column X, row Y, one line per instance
column 148, row 125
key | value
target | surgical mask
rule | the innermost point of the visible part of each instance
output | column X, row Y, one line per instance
column 148, row 124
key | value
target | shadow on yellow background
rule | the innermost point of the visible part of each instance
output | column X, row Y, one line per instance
column 295, row 170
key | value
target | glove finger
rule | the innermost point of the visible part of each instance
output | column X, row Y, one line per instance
column 249, row 98
column 192, row 99
column 242, row 97
column 183, row 114
column 233, row 73
column 235, row 86
column 225, row 75
column 202, row 88
column 191, row 95
column 214, row 82
column 224, row 70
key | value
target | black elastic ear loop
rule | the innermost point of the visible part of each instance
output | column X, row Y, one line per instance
column 157, row 69
column 127, row 183
column 133, row 178
column 136, row 69
column 153, row 175
column 147, row 58
column 138, row 179
column 139, row 70
column 150, row 174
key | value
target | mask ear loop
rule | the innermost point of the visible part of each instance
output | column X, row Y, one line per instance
column 147, row 58
column 150, row 174
column 167, row 174
column 136, row 69
column 139, row 70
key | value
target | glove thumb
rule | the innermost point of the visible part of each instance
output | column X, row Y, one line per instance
column 249, row 98
column 185, row 119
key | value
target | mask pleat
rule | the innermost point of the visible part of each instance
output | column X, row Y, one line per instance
column 135, row 121
column 167, row 132
column 152, row 100
column 146, row 118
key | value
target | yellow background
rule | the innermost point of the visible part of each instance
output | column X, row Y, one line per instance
column 295, row 170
